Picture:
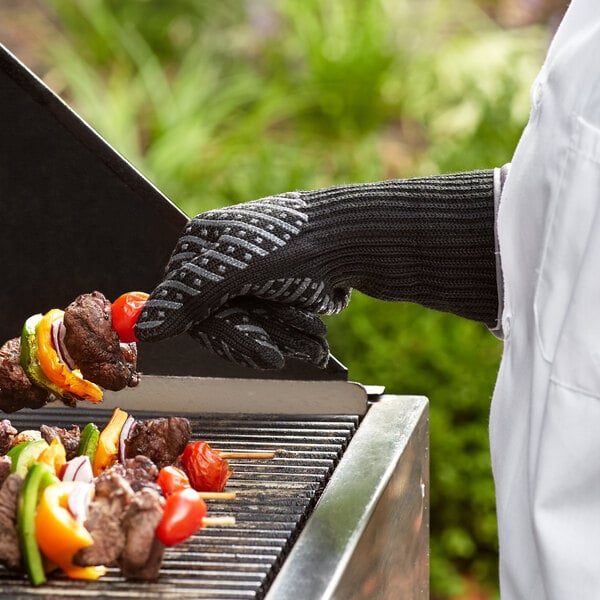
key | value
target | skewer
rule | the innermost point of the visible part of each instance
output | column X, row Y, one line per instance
column 218, row 522
column 258, row 455
column 217, row 495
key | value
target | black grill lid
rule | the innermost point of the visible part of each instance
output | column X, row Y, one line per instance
column 77, row 217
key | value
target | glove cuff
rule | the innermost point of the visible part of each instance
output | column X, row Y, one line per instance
column 424, row 240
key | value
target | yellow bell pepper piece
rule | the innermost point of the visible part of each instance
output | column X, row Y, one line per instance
column 55, row 456
column 55, row 369
column 108, row 442
column 59, row 535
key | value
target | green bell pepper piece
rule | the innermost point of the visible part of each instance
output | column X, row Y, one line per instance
column 24, row 455
column 38, row 478
column 88, row 441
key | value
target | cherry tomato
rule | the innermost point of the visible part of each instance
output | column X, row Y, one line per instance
column 126, row 310
column 182, row 517
column 207, row 471
column 171, row 479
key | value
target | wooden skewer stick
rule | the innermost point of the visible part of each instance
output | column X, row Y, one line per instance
column 259, row 455
column 217, row 495
column 218, row 521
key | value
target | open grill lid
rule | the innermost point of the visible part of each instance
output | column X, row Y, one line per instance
column 77, row 217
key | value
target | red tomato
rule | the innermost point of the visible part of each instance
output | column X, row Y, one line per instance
column 207, row 471
column 182, row 517
column 172, row 479
column 126, row 310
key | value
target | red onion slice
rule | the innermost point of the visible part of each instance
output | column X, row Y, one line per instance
column 78, row 501
column 78, row 469
column 58, row 341
column 125, row 430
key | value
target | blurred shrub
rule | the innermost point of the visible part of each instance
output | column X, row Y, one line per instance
column 222, row 102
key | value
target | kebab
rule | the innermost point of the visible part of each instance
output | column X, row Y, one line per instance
column 83, row 513
column 112, row 485
column 72, row 355
column 129, row 508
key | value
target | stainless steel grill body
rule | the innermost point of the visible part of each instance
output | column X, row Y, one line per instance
column 340, row 512
column 368, row 537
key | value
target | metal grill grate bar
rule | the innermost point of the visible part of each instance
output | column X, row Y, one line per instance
column 274, row 499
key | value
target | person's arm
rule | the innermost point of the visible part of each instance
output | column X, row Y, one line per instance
column 425, row 240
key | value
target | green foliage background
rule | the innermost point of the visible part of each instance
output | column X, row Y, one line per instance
column 223, row 102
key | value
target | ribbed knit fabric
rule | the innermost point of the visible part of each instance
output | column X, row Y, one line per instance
column 425, row 240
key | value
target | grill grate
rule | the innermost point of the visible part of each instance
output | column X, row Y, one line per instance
column 274, row 499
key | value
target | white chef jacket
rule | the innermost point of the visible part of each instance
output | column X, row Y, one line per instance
column 545, row 415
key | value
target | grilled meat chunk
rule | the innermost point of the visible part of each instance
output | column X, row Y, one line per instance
column 113, row 495
column 69, row 438
column 16, row 390
column 95, row 346
column 5, row 465
column 7, row 435
column 162, row 440
column 10, row 553
column 27, row 435
column 140, row 472
column 143, row 554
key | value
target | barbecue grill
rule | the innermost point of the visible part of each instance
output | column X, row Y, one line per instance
column 341, row 511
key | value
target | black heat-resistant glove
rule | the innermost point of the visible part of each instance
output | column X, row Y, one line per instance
column 424, row 240
column 262, row 334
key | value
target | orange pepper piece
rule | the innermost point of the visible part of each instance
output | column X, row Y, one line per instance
column 108, row 442
column 59, row 535
column 55, row 369
column 54, row 456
